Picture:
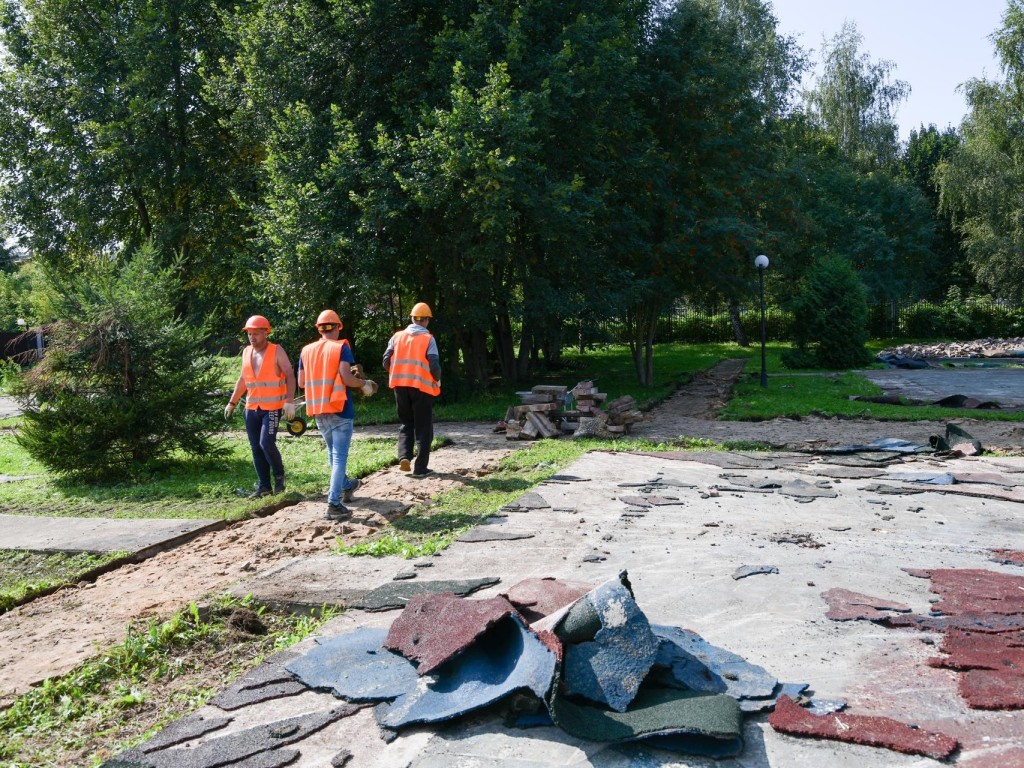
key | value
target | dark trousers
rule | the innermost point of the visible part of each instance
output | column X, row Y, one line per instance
column 261, row 427
column 416, row 412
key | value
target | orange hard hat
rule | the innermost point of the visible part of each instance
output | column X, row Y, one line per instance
column 329, row 316
column 421, row 310
column 257, row 323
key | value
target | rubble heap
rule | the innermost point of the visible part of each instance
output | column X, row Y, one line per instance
column 551, row 410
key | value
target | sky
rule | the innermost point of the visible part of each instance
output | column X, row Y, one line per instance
column 935, row 44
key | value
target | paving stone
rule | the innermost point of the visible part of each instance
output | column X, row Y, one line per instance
column 790, row 718
column 397, row 594
column 435, row 628
column 492, row 533
column 507, row 659
column 610, row 668
column 356, row 667
column 341, row 759
column 186, row 729
column 537, row 598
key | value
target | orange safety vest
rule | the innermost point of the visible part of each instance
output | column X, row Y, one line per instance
column 325, row 391
column 409, row 365
column 268, row 390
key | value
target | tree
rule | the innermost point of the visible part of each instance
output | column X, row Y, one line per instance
column 830, row 315
column 108, row 138
column 124, row 381
column 981, row 183
column 855, row 101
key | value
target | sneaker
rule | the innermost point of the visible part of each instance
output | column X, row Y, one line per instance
column 338, row 512
column 405, row 465
column 346, row 495
column 424, row 473
column 259, row 493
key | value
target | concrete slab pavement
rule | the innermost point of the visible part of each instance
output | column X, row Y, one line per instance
column 97, row 535
column 1003, row 385
column 680, row 559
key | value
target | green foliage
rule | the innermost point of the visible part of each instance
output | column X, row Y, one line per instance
column 160, row 672
column 831, row 318
column 124, row 382
column 960, row 317
column 25, row 575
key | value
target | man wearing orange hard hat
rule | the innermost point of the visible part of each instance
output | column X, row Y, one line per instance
column 325, row 372
column 268, row 383
column 414, row 373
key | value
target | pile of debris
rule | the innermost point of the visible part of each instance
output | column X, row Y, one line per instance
column 943, row 350
column 551, row 410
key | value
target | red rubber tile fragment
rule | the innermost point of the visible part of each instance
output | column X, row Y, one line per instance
column 974, row 590
column 992, row 689
column 844, row 605
column 794, row 720
column 537, row 598
column 1008, row 556
column 434, row 628
column 976, row 650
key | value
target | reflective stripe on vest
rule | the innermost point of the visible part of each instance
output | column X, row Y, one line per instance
column 325, row 391
column 409, row 364
column 268, row 390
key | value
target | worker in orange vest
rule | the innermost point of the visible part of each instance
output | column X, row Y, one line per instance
column 325, row 371
column 268, row 382
column 414, row 372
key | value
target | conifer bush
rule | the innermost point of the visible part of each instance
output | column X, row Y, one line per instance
column 830, row 312
column 123, row 382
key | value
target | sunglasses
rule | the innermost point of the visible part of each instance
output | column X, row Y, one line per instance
column 327, row 326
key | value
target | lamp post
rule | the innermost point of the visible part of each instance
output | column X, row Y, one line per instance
column 761, row 262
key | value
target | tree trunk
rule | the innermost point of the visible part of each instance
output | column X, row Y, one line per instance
column 737, row 326
column 505, row 347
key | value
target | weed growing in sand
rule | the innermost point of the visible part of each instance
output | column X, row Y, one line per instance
column 156, row 675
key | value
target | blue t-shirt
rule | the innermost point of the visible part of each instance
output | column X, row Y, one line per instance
column 349, row 411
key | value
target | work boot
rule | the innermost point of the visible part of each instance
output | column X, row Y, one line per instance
column 347, row 494
column 259, row 493
column 338, row 512
column 405, row 465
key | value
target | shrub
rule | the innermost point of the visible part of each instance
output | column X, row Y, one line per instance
column 830, row 318
column 123, row 381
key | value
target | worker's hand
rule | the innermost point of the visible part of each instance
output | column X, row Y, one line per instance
column 357, row 371
column 288, row 411
column 369, row 388
column 228, row 410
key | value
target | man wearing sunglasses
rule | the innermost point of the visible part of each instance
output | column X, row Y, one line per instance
column 325, row 370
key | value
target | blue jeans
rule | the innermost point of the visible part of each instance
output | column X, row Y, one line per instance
column 261, row 428
column 337, row 434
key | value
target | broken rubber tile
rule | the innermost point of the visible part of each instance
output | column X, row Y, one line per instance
column 759, row 482
column 609, row 668
column 507, row 658
column 186, row 729
column 794, row 720
column 845, row 605
column 750, row 570
column 635, row 501
column 537, row 598
column 434, row 628
column 235, row 747
column 683, row 721
column 397, row 594
column 492, row 533
column 238, row 696
column 922, row 478
column 529, row 500
column 405, row 575
column 742, row 679
column 356, row 667
column 1007, row 557
column 992, row 689
column 801, row 489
